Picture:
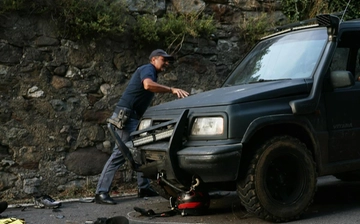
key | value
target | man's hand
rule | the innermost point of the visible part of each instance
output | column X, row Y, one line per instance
column 179, row 92
column 154, row 87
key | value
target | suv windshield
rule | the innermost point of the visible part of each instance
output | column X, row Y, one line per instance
column 289, row 56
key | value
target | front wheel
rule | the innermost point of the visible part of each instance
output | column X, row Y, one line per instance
column 280, row 182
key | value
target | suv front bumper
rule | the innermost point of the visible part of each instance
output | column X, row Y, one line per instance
column 218, row 163
column 211, row 163
column 179, row 161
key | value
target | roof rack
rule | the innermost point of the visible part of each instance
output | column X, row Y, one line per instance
column 296, row 24
column 328, row 20
column 322, row 20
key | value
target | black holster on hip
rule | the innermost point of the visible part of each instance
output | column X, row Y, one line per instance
column 123, row 114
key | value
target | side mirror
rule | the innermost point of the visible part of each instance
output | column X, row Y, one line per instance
column 341, row 79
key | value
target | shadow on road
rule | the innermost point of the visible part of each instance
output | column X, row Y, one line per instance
column 334, row 196
column 335, row 202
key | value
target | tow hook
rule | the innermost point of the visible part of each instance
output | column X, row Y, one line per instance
column 195, row 182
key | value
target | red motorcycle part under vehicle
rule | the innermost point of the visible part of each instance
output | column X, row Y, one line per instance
column 193, row 203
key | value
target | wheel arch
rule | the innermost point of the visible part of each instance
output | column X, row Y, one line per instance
column 264, row 128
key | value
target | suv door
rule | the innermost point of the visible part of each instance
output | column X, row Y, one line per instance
column 343, row 104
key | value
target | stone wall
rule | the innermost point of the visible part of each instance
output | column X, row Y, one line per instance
column 55, row 94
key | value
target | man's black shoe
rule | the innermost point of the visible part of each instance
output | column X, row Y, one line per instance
column 147, row 192
column 104, row 198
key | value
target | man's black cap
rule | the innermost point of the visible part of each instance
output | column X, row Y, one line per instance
column 160, row 52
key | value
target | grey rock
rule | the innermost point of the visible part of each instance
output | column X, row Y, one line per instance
column 86, row 161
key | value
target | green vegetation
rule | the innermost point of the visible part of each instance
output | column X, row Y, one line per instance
column 11, row 5
column 81, row 19
column 297, row 10
column 252, row 29
column 75, row 18
column 84, row 18
column 172, row 28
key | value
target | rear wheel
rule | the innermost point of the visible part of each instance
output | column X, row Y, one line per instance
column 281, row 180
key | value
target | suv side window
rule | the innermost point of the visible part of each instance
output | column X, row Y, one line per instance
column 340, row 59
column 347, row 54
column 357, row 67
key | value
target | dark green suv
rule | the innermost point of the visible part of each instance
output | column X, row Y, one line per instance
column 287, row 114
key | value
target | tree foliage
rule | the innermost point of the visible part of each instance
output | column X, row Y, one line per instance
column 172, row 28
column 297, row 10
column 252, row 29
column 75, row 18
column 79, row 19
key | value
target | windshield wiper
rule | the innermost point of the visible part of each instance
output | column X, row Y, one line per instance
column 268, row 80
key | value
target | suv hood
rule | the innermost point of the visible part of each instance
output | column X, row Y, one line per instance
column 239, row 94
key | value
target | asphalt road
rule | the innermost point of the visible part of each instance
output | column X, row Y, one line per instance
column 335, row 202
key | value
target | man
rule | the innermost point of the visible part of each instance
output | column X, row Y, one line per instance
column 134, row 101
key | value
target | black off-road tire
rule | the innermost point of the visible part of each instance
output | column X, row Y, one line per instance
column 281, row 180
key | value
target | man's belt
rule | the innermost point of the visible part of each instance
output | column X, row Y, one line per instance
column 123, row 114
column 130, row 113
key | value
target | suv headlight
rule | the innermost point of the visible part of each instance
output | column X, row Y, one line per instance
column 145, row 123
column 208, row 126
